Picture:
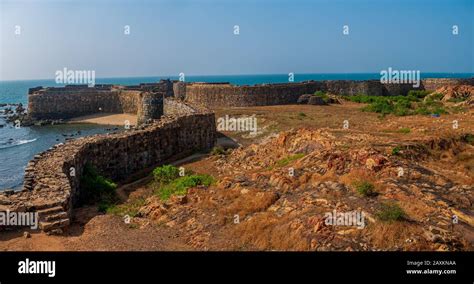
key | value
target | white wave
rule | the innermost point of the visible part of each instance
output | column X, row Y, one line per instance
column 10, row 144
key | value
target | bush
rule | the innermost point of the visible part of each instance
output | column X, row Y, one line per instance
column 457, row 100
column 302, row 114
column 469, row 138
column 390, row 212
column 404, row 130
column 396, row 150
column 165, row 174
column 131, row 208
column 436, row 97
column 402, row 105
column 218, row 150
column 417, row 94
column 380, row 106
column 97, row 188
column 365, row 188
column 324, row 96
column 180, row 185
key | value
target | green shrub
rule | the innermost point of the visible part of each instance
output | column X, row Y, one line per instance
column 439, row 110
column 165, row 174
column 396, row 150
column 96, row 188
column 302, row 114
column 218, row 150
column 404, row 130
column 130, row 208
column 365, row 188
column 390, row 212
column 469, row 138
column 180, row 185
column 436, row 97
column 402, row 105
column 457, row 100
column 324, row 96
column 417, row 94
column 380, row 106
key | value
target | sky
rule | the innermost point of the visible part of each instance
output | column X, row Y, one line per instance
column 196, row 37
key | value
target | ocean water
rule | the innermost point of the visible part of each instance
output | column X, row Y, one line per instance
column 18, row 146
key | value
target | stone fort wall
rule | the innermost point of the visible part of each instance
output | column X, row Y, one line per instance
column 74, row 101
column 52, row 179
column 227, row 95
column 57, row 103
column 79, row 100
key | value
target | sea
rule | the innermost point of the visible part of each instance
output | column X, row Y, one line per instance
column 19, row 145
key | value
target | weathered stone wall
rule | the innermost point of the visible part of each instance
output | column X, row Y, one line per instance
column 129, row 101
column 174, row 106
column 78, row 100
column 73, row 101
column 179, row 90
column 54, row 104
column 222, row 95
column 52, row 178
column 226, row 95
column 151, row 107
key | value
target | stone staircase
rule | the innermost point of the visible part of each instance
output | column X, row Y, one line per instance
column 53, row 219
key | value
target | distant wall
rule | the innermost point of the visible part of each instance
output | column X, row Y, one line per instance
column 55, row 104
column 227, row 95
column 217, row 95
column 78, row 100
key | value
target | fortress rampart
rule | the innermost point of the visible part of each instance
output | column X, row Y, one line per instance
column 52, row 179
column 73, row 101
column 79, row 100
column 227, row 95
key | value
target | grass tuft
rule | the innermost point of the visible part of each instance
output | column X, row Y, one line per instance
column 365, row 188
column 390, row 212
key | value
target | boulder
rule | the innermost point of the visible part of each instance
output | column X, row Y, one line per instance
column 315, row 100
column 303, row 99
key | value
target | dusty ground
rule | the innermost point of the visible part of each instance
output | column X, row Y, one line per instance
column 279, row 211
column 107, row 119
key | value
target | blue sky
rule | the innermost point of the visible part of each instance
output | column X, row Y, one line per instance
column 196, row 37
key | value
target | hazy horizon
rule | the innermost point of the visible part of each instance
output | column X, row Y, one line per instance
column 197, row 37
column 236, row 75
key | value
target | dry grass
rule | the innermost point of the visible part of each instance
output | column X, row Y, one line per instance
column 266, row 231
column 388, row 236
column 248, row 203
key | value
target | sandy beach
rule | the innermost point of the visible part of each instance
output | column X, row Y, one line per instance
column 107, row 119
